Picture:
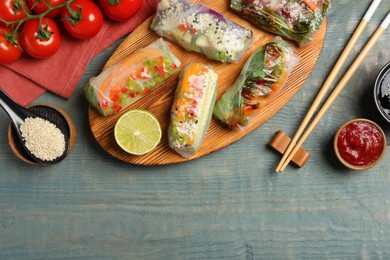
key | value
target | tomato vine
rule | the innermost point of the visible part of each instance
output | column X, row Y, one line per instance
column 21, row 5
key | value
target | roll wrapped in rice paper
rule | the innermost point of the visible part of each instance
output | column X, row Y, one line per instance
column 262, row 76
column 296, row 20
column 198, row 28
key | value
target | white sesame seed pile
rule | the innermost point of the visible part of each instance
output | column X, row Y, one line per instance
column 42, row 138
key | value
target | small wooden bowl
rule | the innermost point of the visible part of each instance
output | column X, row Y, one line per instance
column 355, row 167
column 58, row 114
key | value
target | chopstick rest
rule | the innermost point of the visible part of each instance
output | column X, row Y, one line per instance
column 280, row 143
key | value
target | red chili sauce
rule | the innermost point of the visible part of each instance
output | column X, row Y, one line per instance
column 360, row 143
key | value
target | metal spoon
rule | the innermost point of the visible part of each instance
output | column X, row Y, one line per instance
column 18, row 115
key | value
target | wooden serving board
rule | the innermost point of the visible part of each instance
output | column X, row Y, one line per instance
column 159, row 102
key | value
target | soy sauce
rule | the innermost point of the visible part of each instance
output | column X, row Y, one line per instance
column 382, row 92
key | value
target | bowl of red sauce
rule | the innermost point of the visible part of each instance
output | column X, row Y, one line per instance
column 360, row 144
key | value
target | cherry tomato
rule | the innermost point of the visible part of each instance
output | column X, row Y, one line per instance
column 12, row 10
column 84, row 20
column 40, row 41
column 39, row 6
column 10, row 49
column 120, row 10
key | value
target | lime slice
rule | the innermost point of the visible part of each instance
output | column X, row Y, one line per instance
column 137, row 132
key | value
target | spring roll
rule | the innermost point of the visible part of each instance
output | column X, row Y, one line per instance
column 192, row 108
column 297, row 20
column 262, row 76
column 198, row 28
column 124, row 83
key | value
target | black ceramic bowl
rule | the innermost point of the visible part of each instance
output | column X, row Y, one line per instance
column 382, row 92
column 55, row 114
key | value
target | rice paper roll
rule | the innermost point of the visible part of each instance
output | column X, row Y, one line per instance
column 192, row 108
column 296, row 20
column 124, row 83
column 198, row 28
column 262, row 76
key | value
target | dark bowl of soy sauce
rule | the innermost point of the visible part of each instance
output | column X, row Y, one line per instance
column 382, row 92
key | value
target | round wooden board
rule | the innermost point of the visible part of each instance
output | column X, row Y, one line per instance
column 159, row 101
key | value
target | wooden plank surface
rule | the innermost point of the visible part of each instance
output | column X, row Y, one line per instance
column 227, row 205
column 159, row 102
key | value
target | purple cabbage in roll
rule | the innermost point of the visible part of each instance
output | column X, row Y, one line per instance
column 198, row 28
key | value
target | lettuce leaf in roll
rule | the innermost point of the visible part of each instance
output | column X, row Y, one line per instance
column 296, row 20
column 262, row 76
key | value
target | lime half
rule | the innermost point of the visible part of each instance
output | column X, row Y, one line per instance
column 137, row 132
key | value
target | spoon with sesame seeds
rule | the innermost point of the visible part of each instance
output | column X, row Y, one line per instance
column 42, row 140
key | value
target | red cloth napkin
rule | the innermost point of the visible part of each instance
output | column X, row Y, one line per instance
column 28, row 78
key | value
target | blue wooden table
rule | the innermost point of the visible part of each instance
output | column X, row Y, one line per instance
column 227, row 205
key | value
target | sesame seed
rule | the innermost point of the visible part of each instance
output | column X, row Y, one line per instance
column 42, row 138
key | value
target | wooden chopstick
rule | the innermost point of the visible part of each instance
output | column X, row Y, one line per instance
column 324, row 89
column 339, row 87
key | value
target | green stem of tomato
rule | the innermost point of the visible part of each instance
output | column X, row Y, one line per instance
column 114, row 2
column 34, row 16
column 17, row 4
column 45, row 2
column 43, row 32
column 12, row 38
column 75, row 17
